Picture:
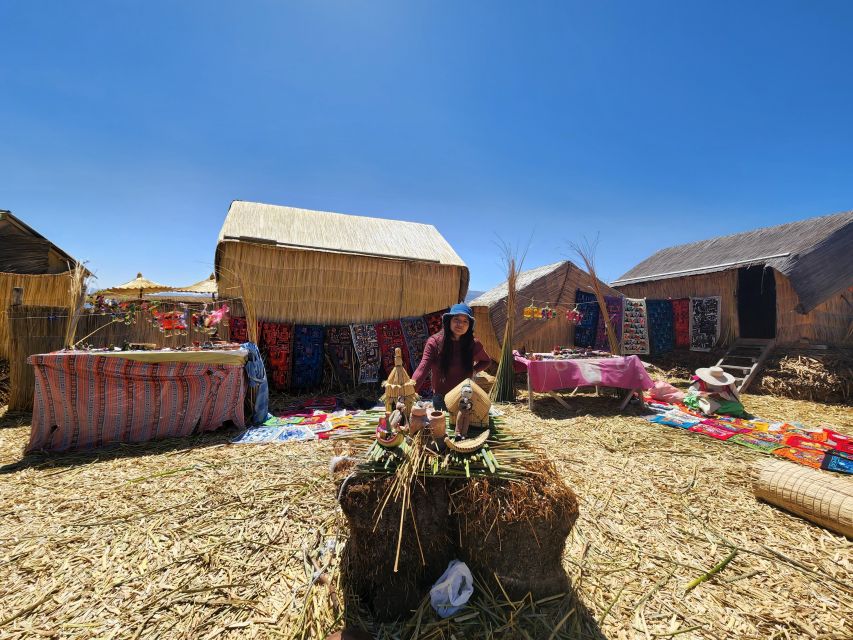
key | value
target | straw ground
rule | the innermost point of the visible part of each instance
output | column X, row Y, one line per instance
column 196, row 538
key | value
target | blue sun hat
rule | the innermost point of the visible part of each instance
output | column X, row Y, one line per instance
column 460, row 309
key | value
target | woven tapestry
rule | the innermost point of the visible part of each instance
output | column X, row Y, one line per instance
column 277, row 346
column 661, row 326
column 614, row 314
column 238, row 329
column 390, row 336
column 338, row 340
column 704, row 323
column 434, row 322
column 585, row 329
column 367, row 351
column 307, row 356
column 416, row 334
column 635, row 327
column 681, row 322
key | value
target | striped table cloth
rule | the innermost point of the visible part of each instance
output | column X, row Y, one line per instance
column 85, row 401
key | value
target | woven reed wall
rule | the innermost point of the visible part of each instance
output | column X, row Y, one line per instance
column 314, row 287
column 32, row 331
column 820, row 496
column 829, row 323
column 43, row 290
column 142, row 331
column 722, row 283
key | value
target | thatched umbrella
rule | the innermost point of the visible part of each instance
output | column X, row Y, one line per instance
column 138, row 284
column 208, row 286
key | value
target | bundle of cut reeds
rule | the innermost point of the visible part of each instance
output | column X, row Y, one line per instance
column 504, row 387
column 586, row 252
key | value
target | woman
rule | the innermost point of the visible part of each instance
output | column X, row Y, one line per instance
column 452, row 354
column 713, row 392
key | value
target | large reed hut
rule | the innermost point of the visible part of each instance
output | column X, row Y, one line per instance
column 315, row 267
column 792, row 282
column 32, row 262
column 553, row 284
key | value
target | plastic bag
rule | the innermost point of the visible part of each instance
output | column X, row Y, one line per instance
column 452, row 590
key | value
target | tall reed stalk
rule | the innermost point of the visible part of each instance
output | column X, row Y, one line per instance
column 504, row 387
column 586, row 251
column 76, row 297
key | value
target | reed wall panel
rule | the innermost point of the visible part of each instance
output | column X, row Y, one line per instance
column 721, row 283
column 34, row 329
column 314, row 287
column 829, row 323
column 51, row 290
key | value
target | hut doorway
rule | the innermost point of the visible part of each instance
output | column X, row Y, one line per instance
column 756, row 302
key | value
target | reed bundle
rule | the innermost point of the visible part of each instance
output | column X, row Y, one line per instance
column 586, row 252
column 76, row 297
column 504, row 387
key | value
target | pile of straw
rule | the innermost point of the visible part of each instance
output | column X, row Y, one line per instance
column 4, row 382
column 196, row 538
column 816, row 375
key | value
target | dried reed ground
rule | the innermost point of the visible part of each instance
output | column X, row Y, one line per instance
column 197, row 539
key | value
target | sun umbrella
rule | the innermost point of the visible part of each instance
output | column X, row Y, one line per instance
column 138, row 285
column 208, row 286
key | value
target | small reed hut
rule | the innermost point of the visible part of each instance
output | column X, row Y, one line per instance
column 554, row 284
column 792, row 282
column 315, row 267
column 30, row 261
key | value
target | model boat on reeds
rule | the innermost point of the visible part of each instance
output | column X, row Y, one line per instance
column 469, row 445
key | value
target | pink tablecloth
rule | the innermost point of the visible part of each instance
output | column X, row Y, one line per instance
column 621, row 372
column 85, row 401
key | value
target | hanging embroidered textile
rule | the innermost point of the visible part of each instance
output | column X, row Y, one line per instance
column 338, row 341
column 307, row 356
column 635, row 327
column 614, row 313
column 661, row 327
column 277, row 343
column 434, row 322
column 390, row 336
column 367, row 350
column 681, row 322
column 704, row 323
column 238, row 329
column 416, row 333
column 586, row 327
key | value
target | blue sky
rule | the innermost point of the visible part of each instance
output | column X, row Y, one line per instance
column 127, row 128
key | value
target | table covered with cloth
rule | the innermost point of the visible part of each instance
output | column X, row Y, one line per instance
column 88, row 400
column 621, row 372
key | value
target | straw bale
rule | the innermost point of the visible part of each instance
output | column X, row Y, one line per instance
column 316, row 287
column 49, row 290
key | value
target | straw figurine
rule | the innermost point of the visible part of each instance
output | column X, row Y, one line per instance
column 399, row 386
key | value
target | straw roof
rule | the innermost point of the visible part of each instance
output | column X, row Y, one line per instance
column 814, row 254
column 208, row 285
column 294, row 228
column 138, row 284
column 31, row 250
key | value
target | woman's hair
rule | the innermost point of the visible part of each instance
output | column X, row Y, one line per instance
column 466, row 345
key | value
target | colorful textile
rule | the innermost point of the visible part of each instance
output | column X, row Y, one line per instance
column 390, row 336
column 675, row 418
column 661, row 325
column 726, row 426
column 307, row 356
column 256, row 374
column 280, row 421
column 620, row 372
column 416, row 332
column 84, row 401
column 258, row 435
column 834, row 440
column 839, row 461
column 635, row 327
column 339, row 348
column 238, row 330
column 704, row 323
column 586, row 328
column 801, row 442
column 277, row 344
column 712, row 431
column 614, row 314
column 366, row 348
column 809, row 458
column 756, row 441
column 681, row 322
column 434, row 323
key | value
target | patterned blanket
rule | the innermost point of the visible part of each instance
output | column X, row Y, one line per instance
column 307, row 356
column 416, row 333
column 338, row 341
column 586, row 329
column 238, row 330
column 277, row 345
column 704, row 323
column 661, row 326
column 635, row 334
column 614, row 313
column 390, row 336
column 681, row 322
column 434, row 322
column 366, row 348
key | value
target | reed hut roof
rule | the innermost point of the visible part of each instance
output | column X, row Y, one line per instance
column 814, row 254
column 25, row 250
column 294, row 228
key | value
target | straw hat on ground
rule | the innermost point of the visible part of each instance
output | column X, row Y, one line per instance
column 715, row 376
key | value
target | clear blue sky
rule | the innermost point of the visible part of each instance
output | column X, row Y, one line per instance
column 126, row 128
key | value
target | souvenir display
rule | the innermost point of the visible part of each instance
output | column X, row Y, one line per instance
column 661, row 325
column 307, row 356
column 389, row 336
column 277, row 341
column 416, row 333
column 171, row 322
column 704, row 323
column 366, row 346
column 635, row 334
column 208, row 320
column 681, row 322
column 338, row 346
column 588, row 324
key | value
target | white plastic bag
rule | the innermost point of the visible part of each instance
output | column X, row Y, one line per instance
column 452, row 590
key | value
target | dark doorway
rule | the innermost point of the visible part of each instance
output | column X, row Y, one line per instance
column 756, row 302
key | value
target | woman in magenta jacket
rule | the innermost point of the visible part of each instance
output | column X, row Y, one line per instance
column 452, row 354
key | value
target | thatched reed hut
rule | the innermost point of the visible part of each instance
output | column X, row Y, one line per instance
column 554, row 284
column 792, row 282
column 30, row 261
column 315, row 267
